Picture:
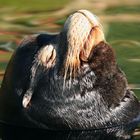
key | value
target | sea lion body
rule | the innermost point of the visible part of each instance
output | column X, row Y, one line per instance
column 38, row 90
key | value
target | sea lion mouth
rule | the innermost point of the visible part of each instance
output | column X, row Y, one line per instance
column 83, row 32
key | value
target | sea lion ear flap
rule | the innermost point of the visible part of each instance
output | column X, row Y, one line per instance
column 47, row 56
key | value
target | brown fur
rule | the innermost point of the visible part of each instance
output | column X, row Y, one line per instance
column 113, row 82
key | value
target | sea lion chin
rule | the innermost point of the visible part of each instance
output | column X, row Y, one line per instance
column 68, row 81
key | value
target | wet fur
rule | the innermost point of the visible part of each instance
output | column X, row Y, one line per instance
column 98, row 98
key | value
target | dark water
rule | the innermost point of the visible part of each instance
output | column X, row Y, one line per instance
column 24, row 134
column 120, row 132
column 14, row 133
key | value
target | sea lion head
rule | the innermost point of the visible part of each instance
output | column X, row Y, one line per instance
column 81, row 33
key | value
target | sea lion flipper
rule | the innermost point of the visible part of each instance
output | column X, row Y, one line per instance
column 45, row 56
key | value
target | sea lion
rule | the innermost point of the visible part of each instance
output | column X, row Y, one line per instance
column 68, row 81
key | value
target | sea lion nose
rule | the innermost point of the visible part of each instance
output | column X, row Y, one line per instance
column 91, row 17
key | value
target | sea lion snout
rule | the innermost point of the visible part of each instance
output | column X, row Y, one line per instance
column 93, row 19
column 83, row 32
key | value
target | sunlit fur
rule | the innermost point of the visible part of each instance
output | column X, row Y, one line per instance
column 83, row 32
